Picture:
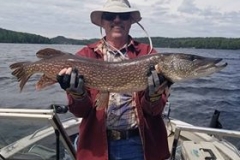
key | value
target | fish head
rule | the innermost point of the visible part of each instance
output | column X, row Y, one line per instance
column 181, row 67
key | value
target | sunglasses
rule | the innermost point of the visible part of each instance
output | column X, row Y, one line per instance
column 111, row 16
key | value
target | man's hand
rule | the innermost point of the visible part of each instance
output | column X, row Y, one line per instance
column 71, row 82
column 157, row 84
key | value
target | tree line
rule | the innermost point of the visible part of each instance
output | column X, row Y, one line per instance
column 198, row 42
column 7, row 36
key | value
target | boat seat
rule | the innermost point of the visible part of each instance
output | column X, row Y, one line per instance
column 200, row 151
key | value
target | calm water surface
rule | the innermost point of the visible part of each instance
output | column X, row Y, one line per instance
column 192, row 101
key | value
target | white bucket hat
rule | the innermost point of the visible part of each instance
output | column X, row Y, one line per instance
column 115, row 6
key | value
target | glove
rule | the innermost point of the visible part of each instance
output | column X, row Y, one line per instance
column 72, row 83
column 157, row 83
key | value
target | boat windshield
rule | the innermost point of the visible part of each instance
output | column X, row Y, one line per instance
column 36, row 134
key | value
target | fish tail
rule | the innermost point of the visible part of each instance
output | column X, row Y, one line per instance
column 21, row 72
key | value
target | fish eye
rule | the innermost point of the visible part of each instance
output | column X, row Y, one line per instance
column 193, row 58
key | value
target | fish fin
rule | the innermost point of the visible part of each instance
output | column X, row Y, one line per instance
column 50, row 52
column 44, row 82
column 102, row 100
column 19, row 71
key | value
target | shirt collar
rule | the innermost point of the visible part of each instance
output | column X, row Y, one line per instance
column 101, row 48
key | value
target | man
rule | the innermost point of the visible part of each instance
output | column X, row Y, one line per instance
column 130, row 125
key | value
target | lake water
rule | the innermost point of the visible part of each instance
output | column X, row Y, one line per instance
column 193, row 101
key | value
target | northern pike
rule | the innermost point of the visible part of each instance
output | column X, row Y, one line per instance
column 125, row 76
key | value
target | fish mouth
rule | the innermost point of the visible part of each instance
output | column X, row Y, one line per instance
column 211, row 65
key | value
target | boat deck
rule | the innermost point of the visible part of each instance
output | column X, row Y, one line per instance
column 186, row 142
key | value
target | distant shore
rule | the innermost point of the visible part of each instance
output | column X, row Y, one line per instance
column 8, row 36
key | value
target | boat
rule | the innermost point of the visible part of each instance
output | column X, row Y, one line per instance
column 57, row 140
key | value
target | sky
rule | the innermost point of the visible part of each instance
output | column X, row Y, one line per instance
column 160, row 18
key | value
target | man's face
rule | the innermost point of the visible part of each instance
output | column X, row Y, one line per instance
column 116, row 25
